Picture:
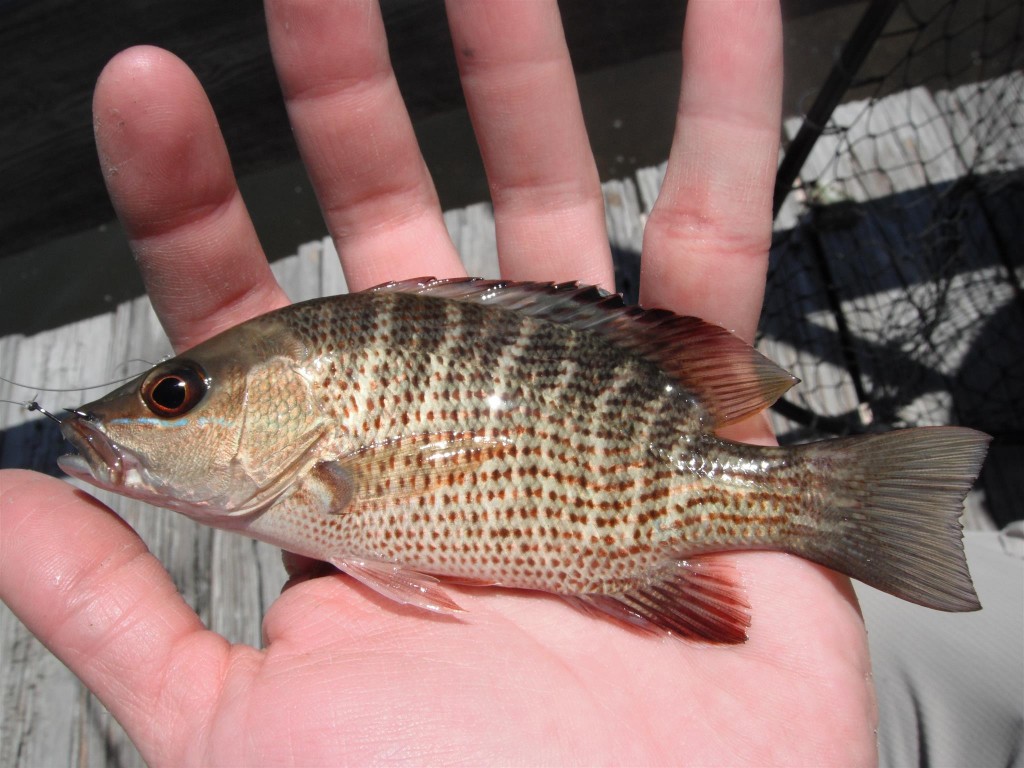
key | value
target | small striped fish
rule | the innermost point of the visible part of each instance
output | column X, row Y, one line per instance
column 538, row 436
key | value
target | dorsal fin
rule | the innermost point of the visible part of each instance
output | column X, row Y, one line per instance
column 730, row 378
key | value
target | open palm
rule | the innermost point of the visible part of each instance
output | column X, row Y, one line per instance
column 345, row 676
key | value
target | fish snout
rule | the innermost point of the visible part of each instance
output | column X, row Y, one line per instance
column 98, row 459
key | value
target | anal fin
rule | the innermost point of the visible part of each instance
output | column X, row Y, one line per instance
column 398, row 583
column 699, row 598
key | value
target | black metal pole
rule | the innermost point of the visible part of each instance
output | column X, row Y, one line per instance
column 875, row 17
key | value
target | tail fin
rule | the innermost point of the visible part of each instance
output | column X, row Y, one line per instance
column 890, row 517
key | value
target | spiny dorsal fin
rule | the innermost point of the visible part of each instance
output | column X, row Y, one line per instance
column 730, row 378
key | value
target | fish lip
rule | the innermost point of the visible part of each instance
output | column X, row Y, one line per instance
column 99, row 459
column 105, row 464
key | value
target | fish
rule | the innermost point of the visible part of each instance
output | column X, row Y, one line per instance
column 538, row 436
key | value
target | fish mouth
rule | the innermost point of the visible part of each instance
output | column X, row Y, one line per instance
column 99, row 460
column 102, row 462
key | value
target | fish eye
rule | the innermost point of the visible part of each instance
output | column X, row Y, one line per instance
column 175, row 391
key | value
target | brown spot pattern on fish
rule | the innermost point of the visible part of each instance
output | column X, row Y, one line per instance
column 536, row 436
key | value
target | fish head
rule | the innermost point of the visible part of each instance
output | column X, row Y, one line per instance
column 216, row 433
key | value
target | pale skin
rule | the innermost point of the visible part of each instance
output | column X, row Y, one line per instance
column 346, row 677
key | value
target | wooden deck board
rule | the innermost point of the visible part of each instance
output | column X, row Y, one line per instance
column 800, row 333
column 472, row 231
column 880, row 148
column 897, row 273
column 998, row 106
column 624, row 220
column 888, row 276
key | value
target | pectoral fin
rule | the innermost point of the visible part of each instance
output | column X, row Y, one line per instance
column 398, row 583
column 391, row 473
column 407, row 466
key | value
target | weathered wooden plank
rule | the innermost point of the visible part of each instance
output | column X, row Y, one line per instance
column 799, row 331
column 648, row 185
column 53, row 720
column 624, row 221
column 66, row 358
column 472, row 231
column 10, row 411
column 921, row 294
column 332, row 278
column 879, row 148
column 984, row 122
column 300, row 275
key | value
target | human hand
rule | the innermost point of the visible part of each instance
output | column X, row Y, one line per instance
column 345, row 677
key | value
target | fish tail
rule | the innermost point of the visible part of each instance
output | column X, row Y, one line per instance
column 889, row 512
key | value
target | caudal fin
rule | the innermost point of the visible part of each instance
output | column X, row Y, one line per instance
column 891, row 512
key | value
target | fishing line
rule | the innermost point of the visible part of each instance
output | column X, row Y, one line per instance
column 66, row 389
column 148, row 363
column 33, row 405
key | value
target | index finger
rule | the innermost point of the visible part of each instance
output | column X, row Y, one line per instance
column 356, row 138
column 170, row 179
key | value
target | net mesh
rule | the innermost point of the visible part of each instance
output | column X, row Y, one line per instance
column 894, row 288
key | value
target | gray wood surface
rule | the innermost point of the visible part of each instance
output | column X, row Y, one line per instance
column 928, row 302
column 49, row 719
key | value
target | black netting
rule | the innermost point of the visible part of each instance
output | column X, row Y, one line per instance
column 894, row 289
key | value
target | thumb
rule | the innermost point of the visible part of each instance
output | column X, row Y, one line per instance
column 84, row 583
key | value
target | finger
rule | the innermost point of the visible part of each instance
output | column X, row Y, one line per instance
column 357, row 140
column 706, row 243
column 86, row 586
column 170, row 179
column 522, row 98
column 301, row 568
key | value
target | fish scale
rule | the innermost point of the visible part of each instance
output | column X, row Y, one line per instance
column 512, row 524
column 537, row 436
